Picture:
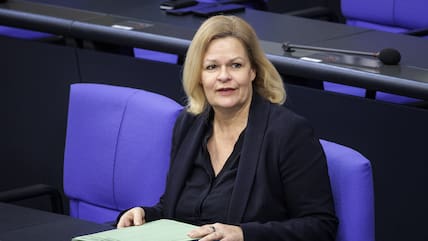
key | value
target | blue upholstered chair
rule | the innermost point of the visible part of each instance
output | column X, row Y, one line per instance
column 117, row 149
column 23, row 33
column 396, row 16
column 117, row 152
column 155, row 55
column 361, row 92
column 352, row 185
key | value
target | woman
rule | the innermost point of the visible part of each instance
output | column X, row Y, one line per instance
column 243, row 167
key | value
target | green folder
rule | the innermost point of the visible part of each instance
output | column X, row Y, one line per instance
column 160, row 230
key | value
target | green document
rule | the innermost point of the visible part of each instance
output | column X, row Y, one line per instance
column 160, row 230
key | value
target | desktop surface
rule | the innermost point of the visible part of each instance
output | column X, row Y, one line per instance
column 160, row 31
column 269, row 26
column 21, row 223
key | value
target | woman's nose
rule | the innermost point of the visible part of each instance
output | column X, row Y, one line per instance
column 223, row 74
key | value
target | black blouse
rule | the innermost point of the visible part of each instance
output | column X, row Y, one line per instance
column 205, row 197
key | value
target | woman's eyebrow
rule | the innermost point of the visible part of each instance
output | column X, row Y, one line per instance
column 230, row 60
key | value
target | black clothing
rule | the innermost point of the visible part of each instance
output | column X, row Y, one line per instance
column 281, row 190
column 205, row 197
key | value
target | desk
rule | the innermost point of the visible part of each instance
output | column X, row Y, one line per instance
column 21, row 223
column 160, row 31
column 58, row 21
column 409, row 78
column 96, row 20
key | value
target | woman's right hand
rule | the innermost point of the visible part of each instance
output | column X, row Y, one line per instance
column 132, row 217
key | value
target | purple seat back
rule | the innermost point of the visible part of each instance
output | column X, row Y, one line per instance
column 352, row 186
column 117, row 149
column 411, row 14
column 395, row 16
column 22, row 33
column 386, row 15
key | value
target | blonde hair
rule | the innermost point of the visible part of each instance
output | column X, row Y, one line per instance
column 268, row 82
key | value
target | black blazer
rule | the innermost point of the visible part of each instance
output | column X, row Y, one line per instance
column 282, row 189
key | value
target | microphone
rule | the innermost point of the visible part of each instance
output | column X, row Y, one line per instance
column 388, row 56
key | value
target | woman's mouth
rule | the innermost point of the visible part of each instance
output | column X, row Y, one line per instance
column 226, row 91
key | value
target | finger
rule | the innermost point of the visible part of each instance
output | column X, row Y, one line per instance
column 138, row 218
column 201, row 231
column 123, row 222
column 133, row 216
column 214, row 236
column 120, row 224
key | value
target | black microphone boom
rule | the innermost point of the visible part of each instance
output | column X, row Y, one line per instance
column 388, row 56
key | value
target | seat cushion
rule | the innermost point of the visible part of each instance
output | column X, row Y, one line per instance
column 91, row 212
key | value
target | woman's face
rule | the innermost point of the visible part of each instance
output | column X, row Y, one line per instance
column 227, row 75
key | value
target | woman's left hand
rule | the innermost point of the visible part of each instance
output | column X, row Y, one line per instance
column 217, row 231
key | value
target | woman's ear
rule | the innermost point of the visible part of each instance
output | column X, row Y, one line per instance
column 253, row 75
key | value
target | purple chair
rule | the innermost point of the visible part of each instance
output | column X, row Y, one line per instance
column 117, row 154
column 395, row 16
column 352, row 185
column 361, row 92
column 24, row 33
column 117, row 149
column 155, row 56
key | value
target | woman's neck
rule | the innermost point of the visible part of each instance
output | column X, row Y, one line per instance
column 227, row 127
column 231, row 124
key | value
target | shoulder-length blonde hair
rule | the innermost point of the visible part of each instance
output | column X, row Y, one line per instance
column 268, row 82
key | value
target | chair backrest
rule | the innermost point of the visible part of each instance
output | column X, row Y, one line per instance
column 386, row 15
column 117, row 149
column 352, row 186
column 23, row 33
column 117, row 157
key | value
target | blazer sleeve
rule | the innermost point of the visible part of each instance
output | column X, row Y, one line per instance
column 305, row 187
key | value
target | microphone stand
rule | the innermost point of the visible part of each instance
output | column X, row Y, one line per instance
column 287, row 47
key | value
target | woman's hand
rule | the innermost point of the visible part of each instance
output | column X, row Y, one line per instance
column 132, row 217
column 217, row 231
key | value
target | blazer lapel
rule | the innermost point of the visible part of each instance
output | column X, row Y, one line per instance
column 257, row 123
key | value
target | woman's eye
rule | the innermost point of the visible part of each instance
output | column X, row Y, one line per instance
column 236, row 65
column 210, row 67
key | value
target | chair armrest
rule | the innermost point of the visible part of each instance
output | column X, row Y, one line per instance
column 33, row 191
